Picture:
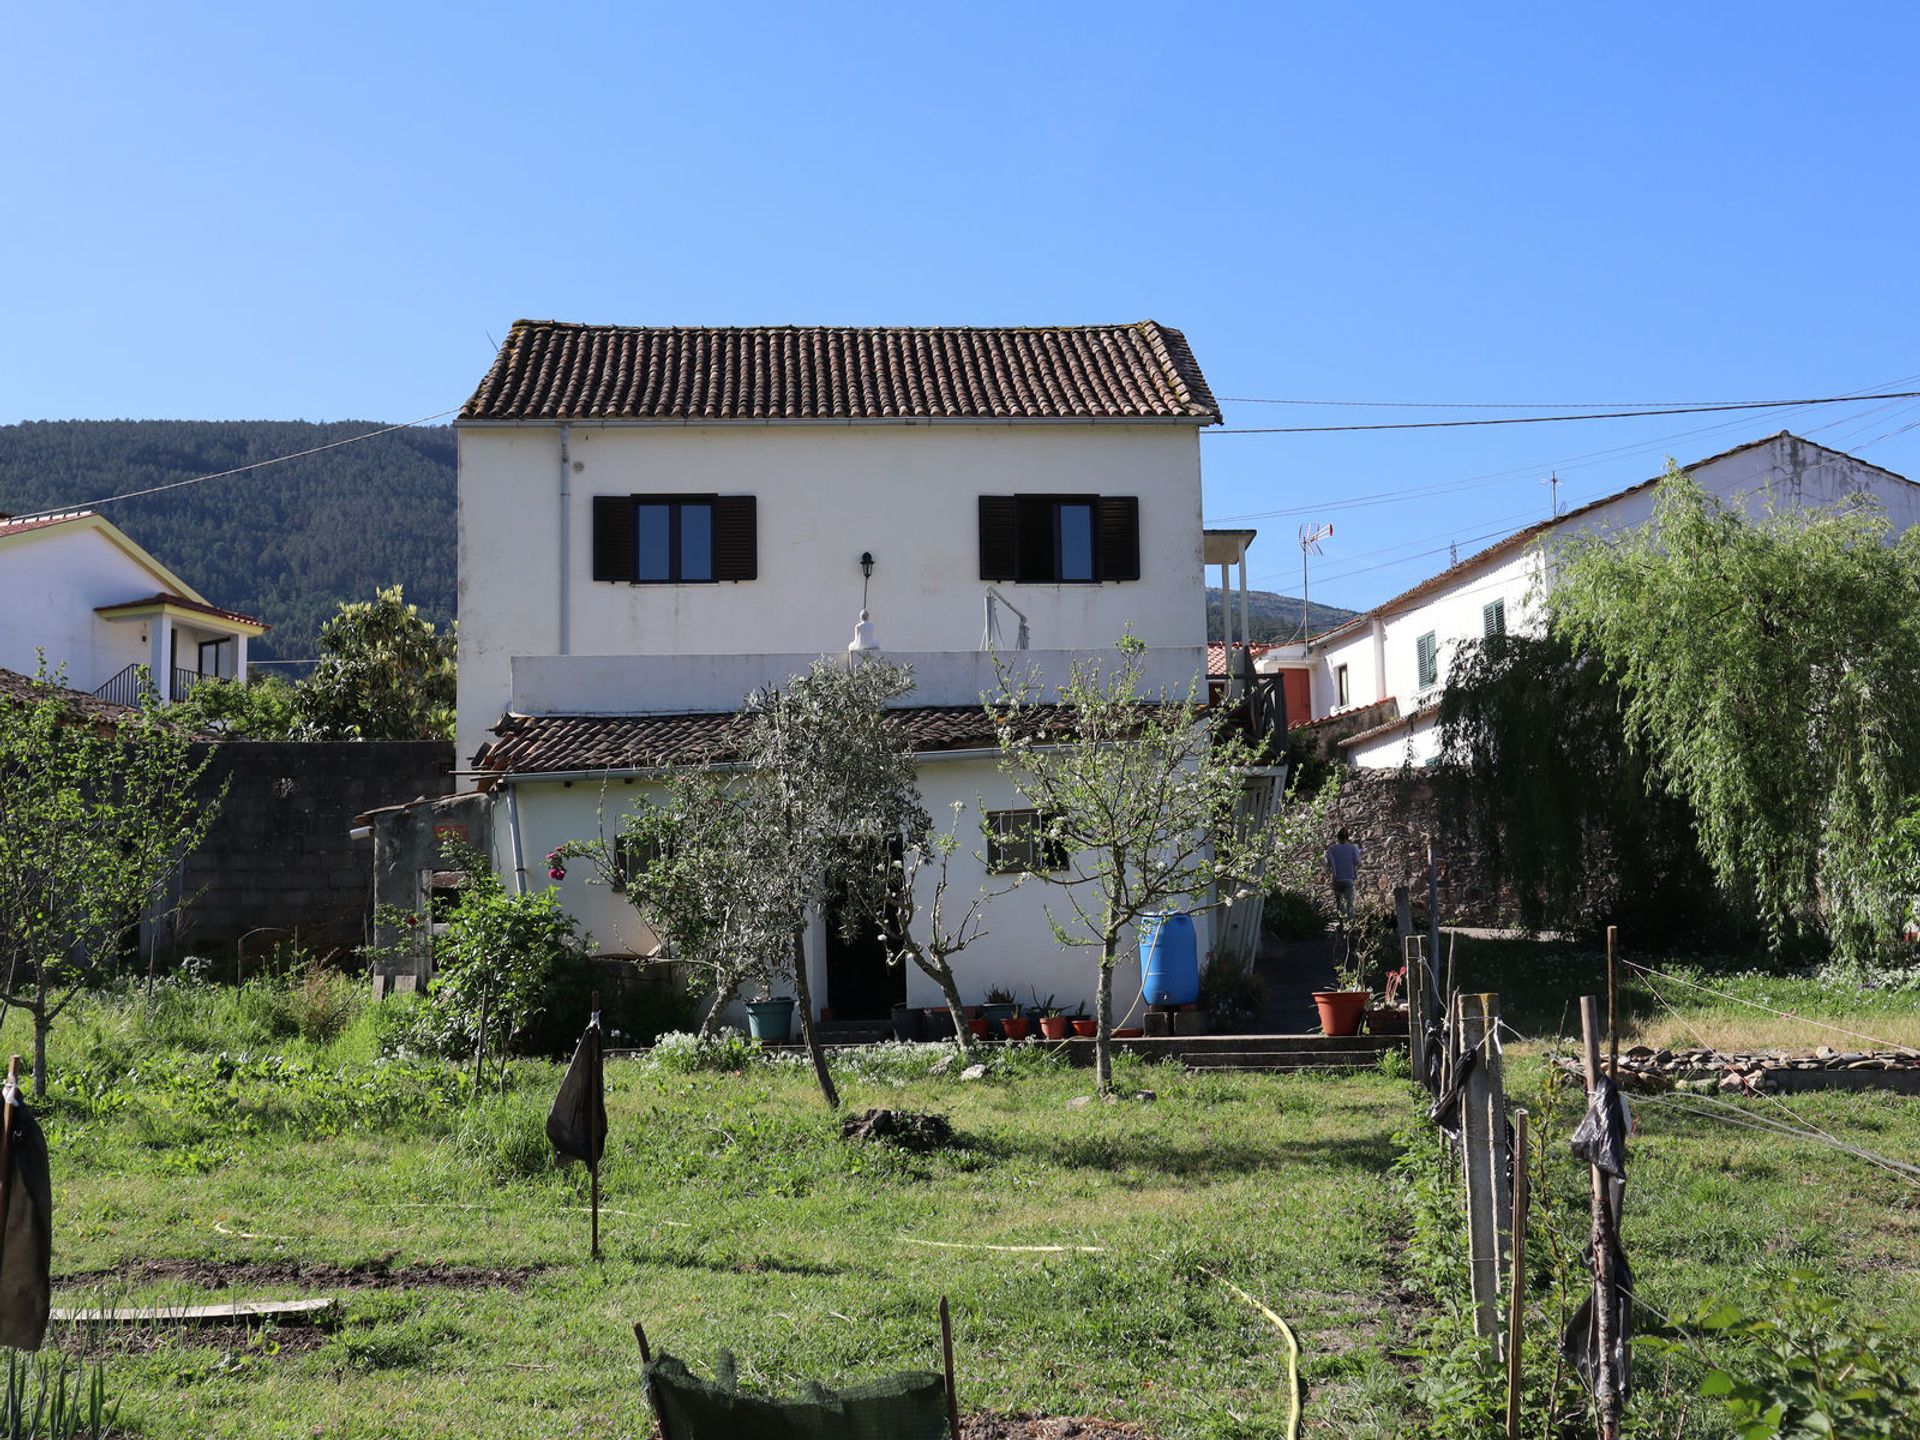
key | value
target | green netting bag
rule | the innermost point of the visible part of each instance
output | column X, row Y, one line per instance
column 911, row 1405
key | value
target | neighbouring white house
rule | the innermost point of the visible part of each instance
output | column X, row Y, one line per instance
column 78, row 591
column 1396, row 656
column 655, row 521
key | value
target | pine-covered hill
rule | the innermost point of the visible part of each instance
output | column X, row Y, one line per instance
column 291, row 541
column 287, row 543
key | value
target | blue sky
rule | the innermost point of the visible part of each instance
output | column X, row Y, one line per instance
column 331, row 211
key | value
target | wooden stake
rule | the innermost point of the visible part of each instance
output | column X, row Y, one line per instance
column 1517, row 1293
column 1483, row 1149
column 653, row 1393
column 599, row 1089
column 1613, row 1007
column 1606, row 1384
column 946, row 1357
column 1419, row 1007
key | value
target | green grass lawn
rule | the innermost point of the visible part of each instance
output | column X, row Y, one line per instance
column 736, row 1216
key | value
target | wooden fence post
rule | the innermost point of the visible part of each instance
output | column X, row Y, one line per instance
column 1606, row 1382
column 1418, row 1012
column 1483, row 1143
column 1517, row 1284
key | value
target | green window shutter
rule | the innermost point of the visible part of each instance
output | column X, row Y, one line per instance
column 1493, row 618
column 1429, row 661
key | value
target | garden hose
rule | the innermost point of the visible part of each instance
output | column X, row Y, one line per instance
column 1293, row 1353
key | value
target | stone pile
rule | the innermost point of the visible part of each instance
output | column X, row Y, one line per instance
column 1643, row 1068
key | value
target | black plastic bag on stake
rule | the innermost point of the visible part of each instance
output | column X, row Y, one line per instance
column 1601, row 1137
column 26, row 1227
column 577, row 1124
column 1581, row 1344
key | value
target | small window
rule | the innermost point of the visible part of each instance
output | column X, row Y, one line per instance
column 1493, row 619
column 632, row 858
column 1342, row 696
column 1428, row 651
column 674, row 541
column 1017, row 844
column 1060, row 539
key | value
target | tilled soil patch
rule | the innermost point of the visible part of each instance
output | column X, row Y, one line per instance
column 90, row 1340
column 1049, row 1427
column 314, row 1275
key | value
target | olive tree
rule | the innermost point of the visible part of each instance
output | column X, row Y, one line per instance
column 96, row 815
column 1145, row 796
column 1767, row 669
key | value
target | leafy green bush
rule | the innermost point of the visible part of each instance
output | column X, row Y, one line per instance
column 1234, row 998
column 1293, row 915
column 1799, row 1370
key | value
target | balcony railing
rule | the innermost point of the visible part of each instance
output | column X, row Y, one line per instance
column 133, row 684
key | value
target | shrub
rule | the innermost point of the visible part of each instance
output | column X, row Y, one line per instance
column 1293, row 915
column 1233, row 997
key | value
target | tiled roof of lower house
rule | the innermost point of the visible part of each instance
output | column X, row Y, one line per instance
column 1399, row 722
column 18, row 689
column 181, row 602
column 572, row 744
column 547, row 370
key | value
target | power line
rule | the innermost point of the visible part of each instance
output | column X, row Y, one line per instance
column 237, row 470
column 1466, row 404
column 1554, row 419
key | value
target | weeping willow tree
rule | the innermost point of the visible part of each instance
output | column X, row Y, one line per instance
column 1563, row 810
column 1768, row 670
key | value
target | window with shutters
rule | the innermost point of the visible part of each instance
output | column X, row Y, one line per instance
column 1342, row 696
column 1017, row 844
column 1493, row 619
column 1059, row 539
column 674, row 539
column 1429, row 654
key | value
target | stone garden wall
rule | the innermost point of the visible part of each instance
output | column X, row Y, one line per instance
column 280, row 858
column 1391, row 813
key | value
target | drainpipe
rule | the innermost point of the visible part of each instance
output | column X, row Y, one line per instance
column 513, row 834
column 566, row 498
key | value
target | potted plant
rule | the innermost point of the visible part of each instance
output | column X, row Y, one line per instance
column 936, row 1023
column 770, row 1019
column 979, row 1025
column 1128, row 1032
column 1053, row 1025
column 1084, row 1028
column 1342, row 1007
column 1040, row 1008
column 1015, row 1027
column 1000, row 1004
column 1390, row 1016
column 905, row 1022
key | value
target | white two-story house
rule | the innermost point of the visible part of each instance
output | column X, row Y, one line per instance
column 1394, row 658
column 655, row 521
column 77, row 592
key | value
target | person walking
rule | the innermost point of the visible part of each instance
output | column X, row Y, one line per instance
column 1343, row 864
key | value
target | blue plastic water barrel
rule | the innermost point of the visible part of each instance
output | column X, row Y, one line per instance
column 1169, row 960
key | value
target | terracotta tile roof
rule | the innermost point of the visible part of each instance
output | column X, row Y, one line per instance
column 552, row 371
column 10, row 526
column 18, row 689
column 556, row 744
column 1400, row 722
column 1521, row 538
column 180, row 602
column 1217, row 655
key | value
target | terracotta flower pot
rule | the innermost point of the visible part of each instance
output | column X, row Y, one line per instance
column 1086, row 1029
column 1340, row 1010
column 1014, row 1027
column 1054, row 1027
column 979, row 1027
column 1129, row 1032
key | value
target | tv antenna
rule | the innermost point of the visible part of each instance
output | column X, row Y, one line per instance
column 1554, row 481
column 1310, row 538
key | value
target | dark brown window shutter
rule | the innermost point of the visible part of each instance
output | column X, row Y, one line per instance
column 736, row 538
column 999, row 537
column 614, row 541
column 1119, row 537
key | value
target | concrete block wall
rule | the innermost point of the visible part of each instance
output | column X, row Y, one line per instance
column 280, row 854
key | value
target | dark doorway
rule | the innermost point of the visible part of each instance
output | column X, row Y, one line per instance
column 861, row 985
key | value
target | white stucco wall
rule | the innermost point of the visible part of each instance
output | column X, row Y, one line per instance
column 1018, row 951
column 50, row 583
column 1784, row 473
column 825, row 493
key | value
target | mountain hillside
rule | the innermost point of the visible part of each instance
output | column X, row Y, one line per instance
column 287, row 543
column 1273, row 617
